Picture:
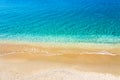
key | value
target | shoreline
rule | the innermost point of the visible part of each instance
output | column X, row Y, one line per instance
column 67, row 44
column 93, row 48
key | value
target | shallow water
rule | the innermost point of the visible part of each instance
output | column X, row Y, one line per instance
column 60, row 20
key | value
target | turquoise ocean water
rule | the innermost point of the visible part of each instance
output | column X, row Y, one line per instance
column 96, row 21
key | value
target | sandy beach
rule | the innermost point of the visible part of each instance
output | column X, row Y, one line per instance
column 44, row 61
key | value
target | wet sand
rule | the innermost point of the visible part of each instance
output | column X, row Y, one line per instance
column 50, row 61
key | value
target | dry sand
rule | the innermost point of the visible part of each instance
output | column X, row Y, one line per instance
column 23, row 61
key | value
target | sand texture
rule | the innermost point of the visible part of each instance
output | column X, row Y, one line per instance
column 59, row 62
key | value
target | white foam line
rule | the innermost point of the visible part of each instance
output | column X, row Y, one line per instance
column 10, row 53
column 46, row 53
column 101, row 53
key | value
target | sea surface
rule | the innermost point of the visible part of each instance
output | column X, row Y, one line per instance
column 94, row 21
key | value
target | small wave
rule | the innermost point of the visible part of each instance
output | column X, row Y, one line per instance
column 5, row 54
column 101, row 53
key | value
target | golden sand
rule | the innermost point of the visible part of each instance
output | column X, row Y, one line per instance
column 23, row 59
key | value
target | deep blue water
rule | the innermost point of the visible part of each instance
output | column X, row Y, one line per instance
column 60, row 20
